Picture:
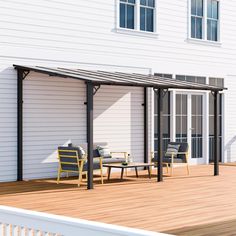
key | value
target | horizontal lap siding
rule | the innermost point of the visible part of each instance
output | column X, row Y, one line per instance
column 118, row 119
column 88, row 34
column 54, row 113
column 229, row 120
column 8, row 127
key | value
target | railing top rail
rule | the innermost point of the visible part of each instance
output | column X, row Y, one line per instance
column 66, row 225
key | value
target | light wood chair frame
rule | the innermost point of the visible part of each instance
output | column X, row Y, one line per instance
column 174, row 156
column 172, row 163
column 79, row 163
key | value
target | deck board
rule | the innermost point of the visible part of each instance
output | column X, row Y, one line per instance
column 199, row 204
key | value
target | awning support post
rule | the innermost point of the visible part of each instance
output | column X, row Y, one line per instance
column 90, row 91
column 160, row 135
column 20, row 77
column 146, row 150
column 216, row 133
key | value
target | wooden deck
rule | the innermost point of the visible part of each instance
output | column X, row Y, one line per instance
column 199, row 204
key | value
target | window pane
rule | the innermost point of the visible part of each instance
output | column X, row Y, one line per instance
column 191, row 78
column 215, row 9
column 209, row 9
column 214, row 30
column 130, row 17
column 199, row 28
column 178, row 104
column 178, row 126
column 151, row 3
column 220, row 82
column 193, row 7
column 209, row 30
column 180, row 77
column 142, row 18
column 184, row 126
column 149, row 19
column 199, row 4
column 122, row 15
column 143, row 2
column 131, row 1
column 201, row 80
column 193, row 27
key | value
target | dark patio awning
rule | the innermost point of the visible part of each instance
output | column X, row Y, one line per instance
column 118, row 78
column 97, row 78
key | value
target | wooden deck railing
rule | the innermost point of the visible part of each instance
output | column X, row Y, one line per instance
column 18, row 222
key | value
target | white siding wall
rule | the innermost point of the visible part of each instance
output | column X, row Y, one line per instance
column 229, row 121
column 119, row 119
column 7, row 123
column 54, row 113
column 80, row 33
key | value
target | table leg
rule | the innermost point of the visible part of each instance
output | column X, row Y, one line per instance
column 109, row 173
column 122, row 173
column 136, row 170
column 149, row 172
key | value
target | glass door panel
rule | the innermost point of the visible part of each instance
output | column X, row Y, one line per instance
column 196, row 130
column 189, row 123
column 181, row 117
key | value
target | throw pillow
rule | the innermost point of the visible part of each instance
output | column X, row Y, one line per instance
column 82, row 152
column 172, row 149
column 104, row 151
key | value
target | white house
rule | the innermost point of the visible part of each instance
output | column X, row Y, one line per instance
column 192, row 40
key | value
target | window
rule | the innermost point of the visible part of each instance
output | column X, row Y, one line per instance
column 216, row 82
column 212, row 20
column 204, row 20
column 195, row 79
column 127, row 14
column 147, row 15
column 169, row 76
column 137, row 15
column 196, row 18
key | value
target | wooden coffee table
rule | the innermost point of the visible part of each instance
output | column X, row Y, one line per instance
column 134, row 165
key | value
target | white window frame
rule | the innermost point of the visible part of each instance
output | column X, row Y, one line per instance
column 136, row 30
column 204, row 39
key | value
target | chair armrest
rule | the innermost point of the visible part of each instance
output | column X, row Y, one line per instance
column 184, row 153
column 125, row 154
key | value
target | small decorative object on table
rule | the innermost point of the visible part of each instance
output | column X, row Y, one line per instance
column 124, row 163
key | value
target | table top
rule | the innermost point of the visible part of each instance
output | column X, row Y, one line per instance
column 129, row 165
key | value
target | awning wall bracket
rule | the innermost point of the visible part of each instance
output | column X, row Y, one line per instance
column 25, row 73
column 96, row 88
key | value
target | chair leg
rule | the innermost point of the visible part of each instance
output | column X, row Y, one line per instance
column 58, row 175
column 101, row 175
column 80, row 178
column 80, row 172
column 101, row 170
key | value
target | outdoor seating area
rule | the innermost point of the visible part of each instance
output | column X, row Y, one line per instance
column 180, row 205
column 73, row 159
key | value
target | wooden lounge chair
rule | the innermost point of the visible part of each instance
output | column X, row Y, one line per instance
column 177, row 158
column 71, row 161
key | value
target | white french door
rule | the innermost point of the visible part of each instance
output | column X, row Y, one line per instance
column 189, row 125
